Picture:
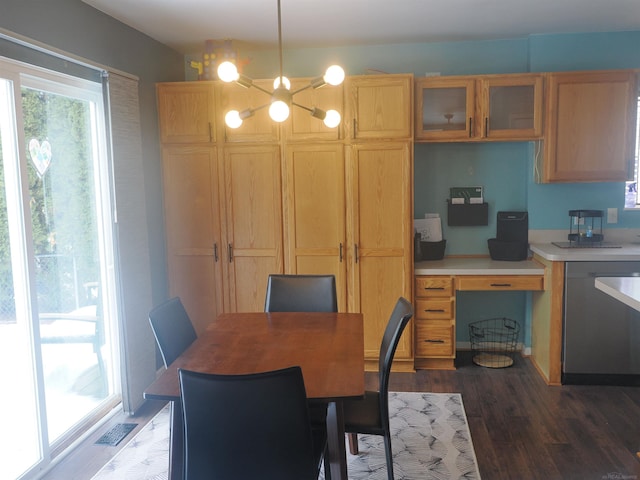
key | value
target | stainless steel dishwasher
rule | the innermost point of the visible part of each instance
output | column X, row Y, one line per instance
column 601, row 335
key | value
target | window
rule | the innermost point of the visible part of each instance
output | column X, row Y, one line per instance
column 58, row 328
column 631, row 198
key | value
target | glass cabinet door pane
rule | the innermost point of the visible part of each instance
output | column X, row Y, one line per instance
column 444, row 109
column 511, row 107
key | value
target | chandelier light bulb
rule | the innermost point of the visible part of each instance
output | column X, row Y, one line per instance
column 232, row 119
column 279, row 111
column 334, row 75
column 285, row 82
column 332, row 119
column 228, row 72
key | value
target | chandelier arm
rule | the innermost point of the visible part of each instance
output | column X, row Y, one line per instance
column 302, row 106
column 258, row 87
column 253, row 110
column 301, row 89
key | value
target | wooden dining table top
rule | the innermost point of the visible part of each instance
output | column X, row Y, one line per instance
column 329, row 347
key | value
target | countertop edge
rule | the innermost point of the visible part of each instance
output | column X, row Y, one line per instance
column 477, row 266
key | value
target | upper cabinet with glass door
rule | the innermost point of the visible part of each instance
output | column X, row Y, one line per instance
column 479, row 108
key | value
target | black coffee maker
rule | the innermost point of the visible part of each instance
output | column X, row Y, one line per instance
column 512, row 237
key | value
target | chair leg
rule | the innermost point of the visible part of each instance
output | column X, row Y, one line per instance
column 353, row 443
column 327, row 466
column 389, row 455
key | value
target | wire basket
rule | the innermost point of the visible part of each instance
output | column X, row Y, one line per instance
column 493, row 341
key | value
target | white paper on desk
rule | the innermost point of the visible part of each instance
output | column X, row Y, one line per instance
column 430, row 228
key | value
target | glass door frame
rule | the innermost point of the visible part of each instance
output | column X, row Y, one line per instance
column 18, row 75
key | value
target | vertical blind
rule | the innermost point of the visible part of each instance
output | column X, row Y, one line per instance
column 137, row 344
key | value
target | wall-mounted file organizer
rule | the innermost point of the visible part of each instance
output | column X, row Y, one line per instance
column 468, row 214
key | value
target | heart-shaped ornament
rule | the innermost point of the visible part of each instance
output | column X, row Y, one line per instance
column 40, row 155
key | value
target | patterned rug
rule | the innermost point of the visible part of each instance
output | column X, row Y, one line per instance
column 430, row 441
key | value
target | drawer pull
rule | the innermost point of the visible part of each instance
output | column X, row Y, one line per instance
column 438, row 310
column 500, row 284
column 434, row 288
column 434, row 341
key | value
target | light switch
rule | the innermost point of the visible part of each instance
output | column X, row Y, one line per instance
column 612, row 215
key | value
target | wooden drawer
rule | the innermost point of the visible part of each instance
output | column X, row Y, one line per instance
column 434, row 286
column 436, row 309
column 500, row 282
column 434, row 340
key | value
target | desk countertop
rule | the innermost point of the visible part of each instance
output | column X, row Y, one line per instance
column 625, row 289
column 477, row 266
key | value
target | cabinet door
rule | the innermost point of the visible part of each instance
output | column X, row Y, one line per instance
column 379, row 237
column 445, row 109
column 590, row 126
column 511, row 107
column 315, row 213
column 301, row 125
column 257, row 128
column 379, row 106
column 192, row 225
column 253, row 226
column 186, row 112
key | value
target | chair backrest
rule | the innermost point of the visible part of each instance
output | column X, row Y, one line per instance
column 301, row 293
column 253, row 426
column 172, row 328
column 402, row 313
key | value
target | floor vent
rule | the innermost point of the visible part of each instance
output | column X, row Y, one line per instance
column 117, row 433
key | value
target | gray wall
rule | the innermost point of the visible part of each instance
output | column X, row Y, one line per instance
column 74, row 27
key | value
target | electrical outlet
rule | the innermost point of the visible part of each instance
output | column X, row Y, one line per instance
column 612, row 215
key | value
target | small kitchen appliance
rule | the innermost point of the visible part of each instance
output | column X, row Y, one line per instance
column 512, row 237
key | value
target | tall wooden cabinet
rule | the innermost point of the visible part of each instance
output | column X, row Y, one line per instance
column 379, row 236
column 379, row 179
column 252, row 224
column 193, row 235
column 315, row 212
column 298, row 199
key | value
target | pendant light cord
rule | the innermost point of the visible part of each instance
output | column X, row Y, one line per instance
column 280, row 38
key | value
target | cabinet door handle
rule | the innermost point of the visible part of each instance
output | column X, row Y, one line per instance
column 428, row 340
column 340, row 252
column 215, row 252
column 355, row 128
column 486, row 126
column 230, row 253
column 500, row 284
column 355, row 251
column 210, row 133
column 470, row 127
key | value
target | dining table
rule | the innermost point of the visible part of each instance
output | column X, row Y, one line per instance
column 329, row 348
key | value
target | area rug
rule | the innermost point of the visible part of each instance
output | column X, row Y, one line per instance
column 430, row 441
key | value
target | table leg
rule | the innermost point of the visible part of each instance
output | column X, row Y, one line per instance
column 335, row 437
column 176, row 447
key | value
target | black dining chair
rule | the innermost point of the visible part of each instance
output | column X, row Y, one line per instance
column 370, row 415
column 172, row 328
column 253, row 426
column 301, row 293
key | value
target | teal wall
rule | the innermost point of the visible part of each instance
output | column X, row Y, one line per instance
column 505, row 170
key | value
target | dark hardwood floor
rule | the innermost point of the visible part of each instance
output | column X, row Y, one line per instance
column 521, row 428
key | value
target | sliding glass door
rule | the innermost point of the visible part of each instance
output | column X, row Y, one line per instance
column 58, row 359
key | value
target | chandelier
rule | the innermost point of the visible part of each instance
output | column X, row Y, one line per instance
column 281, row 96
